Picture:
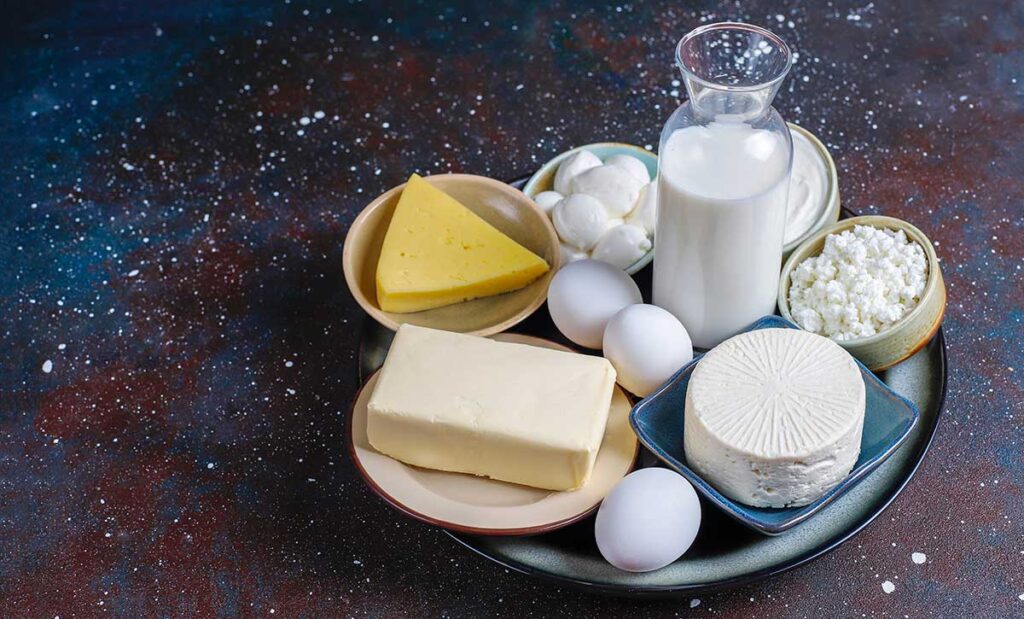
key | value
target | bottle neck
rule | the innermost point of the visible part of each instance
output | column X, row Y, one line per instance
column 714, row 103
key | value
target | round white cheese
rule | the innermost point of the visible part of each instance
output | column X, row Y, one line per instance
column 774, row 417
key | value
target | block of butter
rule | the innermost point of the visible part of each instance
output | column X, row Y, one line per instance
column 507, row 411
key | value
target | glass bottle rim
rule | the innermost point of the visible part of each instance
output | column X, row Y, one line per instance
column 734, row 25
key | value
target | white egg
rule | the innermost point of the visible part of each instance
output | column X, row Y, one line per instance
column 571, row 254
column 580, row 221
column 648, row 520
column 631, row 164
column 584, row 295
column 547, row 200
column 645, row 212
column 622, row 246
column 573, row 165
column 616, row 188
column 646, row 345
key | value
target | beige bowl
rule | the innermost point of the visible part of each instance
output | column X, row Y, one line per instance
column 910, row 333
column 505, row 208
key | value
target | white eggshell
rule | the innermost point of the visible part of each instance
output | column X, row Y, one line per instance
column 573, row 165
column 646, row 345
column 584, row 295
column 631, row 164
column 571, row 254
column 613, row 186
column 648, row 520
column 547, row 200
column 622, row 246
column 580, row 221
column 645, row 212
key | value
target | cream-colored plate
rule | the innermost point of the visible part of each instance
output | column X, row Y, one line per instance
column 483, row 506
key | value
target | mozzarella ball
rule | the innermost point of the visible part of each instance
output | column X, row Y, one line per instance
column 571, row 254
column 631, row 164
column 622, row 246
column 584, row 295
column 547, row 200
column 573, row 165
column 645, row 212
column 614, row 187
column 648, row 520
column 580, row 220
column 646, row 345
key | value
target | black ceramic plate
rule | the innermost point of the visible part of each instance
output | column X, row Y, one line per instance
column 725, row 554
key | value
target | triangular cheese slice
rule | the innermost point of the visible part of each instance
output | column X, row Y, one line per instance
column 438, row 252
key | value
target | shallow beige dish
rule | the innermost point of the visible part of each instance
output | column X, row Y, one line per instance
column 914, row 330
column 500, row 205
column 484, row 506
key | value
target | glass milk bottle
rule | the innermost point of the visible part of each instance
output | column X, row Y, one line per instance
column 723, row 181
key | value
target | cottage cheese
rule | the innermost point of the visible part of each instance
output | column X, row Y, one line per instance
column 863, row 282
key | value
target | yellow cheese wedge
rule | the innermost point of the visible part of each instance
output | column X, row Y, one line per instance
column 438, row 252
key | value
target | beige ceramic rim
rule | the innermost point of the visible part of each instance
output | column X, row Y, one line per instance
column 481, row 506
column 516, row 196
column 906, row 336
column 830, row 214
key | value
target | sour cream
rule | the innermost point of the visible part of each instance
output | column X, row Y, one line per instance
column 808, row 188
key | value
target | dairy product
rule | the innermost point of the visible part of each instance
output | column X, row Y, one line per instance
column 622, row 245
column 576, row 163
column 614, row 186
column 547, row 200
column 437, row 252
column 774, row 417
column 645, row 213
column 864, row 281
column 631, row 164
column 808, row 187
column 513, row 412
column 580, row 220
column 721, row 220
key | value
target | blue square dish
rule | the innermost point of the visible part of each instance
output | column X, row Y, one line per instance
column 658, row 422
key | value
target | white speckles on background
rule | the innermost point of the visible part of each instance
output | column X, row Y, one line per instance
column 918, row 558
column 47, row 366
column 888, row 587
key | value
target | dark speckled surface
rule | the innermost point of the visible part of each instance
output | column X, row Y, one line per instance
column 179, row 348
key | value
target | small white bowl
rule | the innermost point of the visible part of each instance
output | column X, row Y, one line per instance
column 544, row 178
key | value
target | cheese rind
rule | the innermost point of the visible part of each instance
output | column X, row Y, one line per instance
column 774, row 417
column 437, row 252
column 507, row 411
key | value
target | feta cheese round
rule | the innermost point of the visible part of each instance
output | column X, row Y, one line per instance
column 864, row 281
column 773, row 417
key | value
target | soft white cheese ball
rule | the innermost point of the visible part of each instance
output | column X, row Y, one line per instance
column 547, row 200
column 571, row 254
column 584, row 295
column 648, row 520
column 631, row 164
column 613, row 186
column 646, row 345
column 580, row 220
column 578, row 162
column 645, row 212
column 622, row 246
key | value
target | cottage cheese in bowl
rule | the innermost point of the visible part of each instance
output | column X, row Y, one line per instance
column 864, row 281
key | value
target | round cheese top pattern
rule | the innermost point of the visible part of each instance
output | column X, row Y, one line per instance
column 777, row 393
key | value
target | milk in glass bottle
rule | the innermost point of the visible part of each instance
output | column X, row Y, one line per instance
column 723, row 181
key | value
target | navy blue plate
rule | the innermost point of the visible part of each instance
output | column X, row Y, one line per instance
column 658, row 422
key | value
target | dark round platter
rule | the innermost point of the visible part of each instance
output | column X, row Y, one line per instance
column 725, row 554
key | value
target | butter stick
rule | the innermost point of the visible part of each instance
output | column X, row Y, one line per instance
column 507, row 411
